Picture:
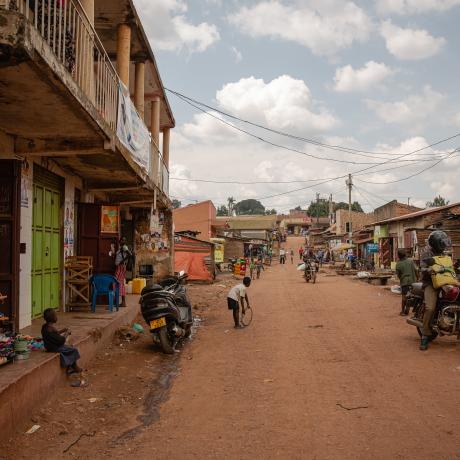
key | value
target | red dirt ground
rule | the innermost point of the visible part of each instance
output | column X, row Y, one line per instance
column 325, row 371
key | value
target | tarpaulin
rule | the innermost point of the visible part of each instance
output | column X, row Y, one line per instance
column 193, row 264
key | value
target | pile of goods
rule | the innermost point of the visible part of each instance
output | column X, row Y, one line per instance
column 17, row 347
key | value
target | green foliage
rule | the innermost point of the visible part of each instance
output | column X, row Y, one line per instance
column 222, row 210
column 437, row 201
column 318, row 209
column 270, row 212
column 176, row 204
column 298, row 208
column 355, row 206
column 249, row 207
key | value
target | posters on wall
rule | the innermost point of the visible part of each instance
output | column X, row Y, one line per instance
column 110, row 219
column 69, row 228
column 131, row 130
column 25, row 184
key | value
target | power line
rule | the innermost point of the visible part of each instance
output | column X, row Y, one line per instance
column 310, row 155
column 195, row 103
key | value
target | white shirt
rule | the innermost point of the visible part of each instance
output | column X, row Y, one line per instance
column 282, row 252
column 237, row 292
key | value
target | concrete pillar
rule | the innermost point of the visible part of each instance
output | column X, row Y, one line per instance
column 139, row 88
column 88, row 6
column 124, row 52
column 155, row 131
column 166, row 139
column 155, row 127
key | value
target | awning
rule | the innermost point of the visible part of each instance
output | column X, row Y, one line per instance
column 344, row 247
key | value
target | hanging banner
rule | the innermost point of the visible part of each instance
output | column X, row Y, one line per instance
column 110, row 219
column 131, row 130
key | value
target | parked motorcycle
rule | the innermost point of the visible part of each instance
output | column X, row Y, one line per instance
column 168, row 312
column 231, row 264
column 446, row 320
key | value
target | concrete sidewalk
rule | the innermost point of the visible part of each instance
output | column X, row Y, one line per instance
column 24, row 384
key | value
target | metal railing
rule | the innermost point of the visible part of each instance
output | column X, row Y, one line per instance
column 64, row 25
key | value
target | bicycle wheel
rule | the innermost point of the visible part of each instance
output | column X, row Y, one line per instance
column 246, row 318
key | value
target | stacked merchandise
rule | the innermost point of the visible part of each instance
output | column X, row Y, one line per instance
column 18, row 347
column 6, row 349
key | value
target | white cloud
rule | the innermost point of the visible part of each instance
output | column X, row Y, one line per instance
column 414, row 6
column 237, row 54
column 181, row 189
column 325, row 27
column 168, row 27
column 371, row 75
column 284, row 103
column 410, row 44
column 456, row 120
column 411, row 110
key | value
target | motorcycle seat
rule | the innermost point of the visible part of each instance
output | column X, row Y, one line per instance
column 417, row 288
column 152, row 288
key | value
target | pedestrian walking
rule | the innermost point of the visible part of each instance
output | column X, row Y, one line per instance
column 301, row 251
column 252, row 266
column 407, row 274
column 292, row 256
column 236, row 296
column 282, row 256
column 259, row 267
column 122, row 258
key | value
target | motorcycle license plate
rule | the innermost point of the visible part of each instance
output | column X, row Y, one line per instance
column 157, row 323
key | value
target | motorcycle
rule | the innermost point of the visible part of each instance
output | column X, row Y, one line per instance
column 310, row 270
column 168, row 312
column 231, row 264
column 446, row 319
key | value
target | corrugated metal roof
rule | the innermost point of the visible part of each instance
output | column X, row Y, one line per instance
column 416, row 214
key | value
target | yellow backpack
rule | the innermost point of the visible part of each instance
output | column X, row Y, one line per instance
column 443, row 272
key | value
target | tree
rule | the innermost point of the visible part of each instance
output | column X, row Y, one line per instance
column 270, row 212
column 355, row 206
column 318, row 209
column 176, row 204
column 222, row 210
column 298, row 208
column 249, row 207
column 231, row 205
column 437, row 201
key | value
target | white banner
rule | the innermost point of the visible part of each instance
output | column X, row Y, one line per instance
column 131, row 130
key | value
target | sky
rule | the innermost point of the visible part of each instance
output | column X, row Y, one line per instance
column 376, row 78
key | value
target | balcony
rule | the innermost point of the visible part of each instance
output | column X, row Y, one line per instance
column 61, row 97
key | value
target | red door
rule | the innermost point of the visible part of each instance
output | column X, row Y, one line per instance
column 10, row 189
column 92, row 242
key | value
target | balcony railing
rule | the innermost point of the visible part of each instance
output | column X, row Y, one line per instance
column 64, row 25
column 67, row 30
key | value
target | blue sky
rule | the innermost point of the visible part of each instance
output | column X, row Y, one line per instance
column 379, row 76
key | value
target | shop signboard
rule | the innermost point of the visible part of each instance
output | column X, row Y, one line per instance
column 132, row 131
column 372, row 248
column 110, row 219
column 218, row 249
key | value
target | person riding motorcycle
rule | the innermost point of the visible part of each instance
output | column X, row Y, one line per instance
column 438, row 242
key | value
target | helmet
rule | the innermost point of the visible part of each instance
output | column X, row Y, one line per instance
column 439, row 241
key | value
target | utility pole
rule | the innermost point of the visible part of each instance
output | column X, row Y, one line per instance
column 349, row 183
column 331, row 210
column 408, row 201
column 317, row 209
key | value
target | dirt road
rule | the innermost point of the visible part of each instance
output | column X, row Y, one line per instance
column 325, row 371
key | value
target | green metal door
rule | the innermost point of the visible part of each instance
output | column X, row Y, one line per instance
column 46, row 250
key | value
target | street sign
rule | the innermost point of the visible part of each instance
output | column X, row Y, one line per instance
column 372, row 248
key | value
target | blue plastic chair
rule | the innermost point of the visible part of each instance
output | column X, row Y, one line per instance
column 105, row 285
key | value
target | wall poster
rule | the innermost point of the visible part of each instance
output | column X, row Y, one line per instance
column 110, row 219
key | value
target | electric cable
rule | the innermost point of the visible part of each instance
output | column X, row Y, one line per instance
column 194, row 103
column 300, row 152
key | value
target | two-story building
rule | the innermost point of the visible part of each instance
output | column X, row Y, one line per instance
column 84, row 147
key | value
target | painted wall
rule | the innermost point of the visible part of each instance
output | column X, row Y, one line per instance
column 196, row 218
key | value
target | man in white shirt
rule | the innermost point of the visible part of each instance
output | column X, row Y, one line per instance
column 282, row 256
column 237, row 295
